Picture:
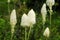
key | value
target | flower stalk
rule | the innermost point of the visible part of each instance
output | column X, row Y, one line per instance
column 44, row 14
column 50, row 3
column 8, row 6
column 25, row 33
column 13, row 21
column 29, row 32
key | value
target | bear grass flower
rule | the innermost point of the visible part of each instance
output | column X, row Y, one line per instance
column 44, row 13
column 13, row 20
column 31, row 17
column 28, row 21
column 25, row 23
column 50, row 3
column 24, row 20
column 46, row 32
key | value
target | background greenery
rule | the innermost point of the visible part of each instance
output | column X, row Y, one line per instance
column 23, row 6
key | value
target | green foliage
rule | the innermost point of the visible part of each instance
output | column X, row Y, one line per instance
column 36, row 33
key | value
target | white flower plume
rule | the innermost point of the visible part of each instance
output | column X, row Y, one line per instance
column 13, row 20
column 50, row 3
column 32, row 17
column 24, row 20
column 44, row 13
column 46, row 32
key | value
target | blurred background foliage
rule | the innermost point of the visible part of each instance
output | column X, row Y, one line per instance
column 23, row 6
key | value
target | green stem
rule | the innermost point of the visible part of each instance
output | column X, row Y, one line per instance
column 8, row 8
column 43, row 26
column 46, row 38
column 14, row 3
column 11, row 36
column 29, row 32
column 50, row 20
column 50, row 17
column 25, row 34
column 12, row 32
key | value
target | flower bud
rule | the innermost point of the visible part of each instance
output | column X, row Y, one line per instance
column 46, row 32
